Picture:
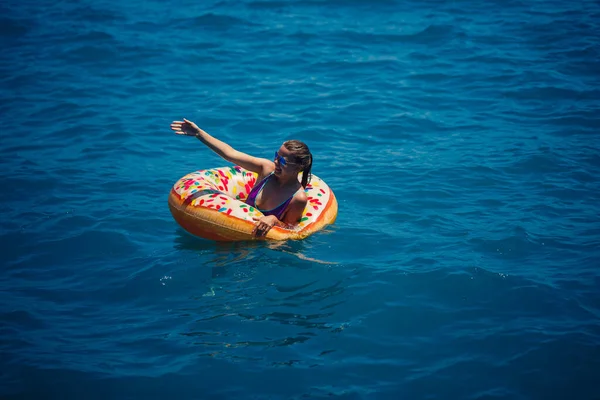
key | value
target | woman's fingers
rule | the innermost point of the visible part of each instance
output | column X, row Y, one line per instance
column 185, row 127
column 183, row 130
column 265, row 229
column 256, row 229
column 260, row 230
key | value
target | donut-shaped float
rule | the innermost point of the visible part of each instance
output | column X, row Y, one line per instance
column 210, row 204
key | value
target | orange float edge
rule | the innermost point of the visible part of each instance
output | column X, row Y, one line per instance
column 214, row 225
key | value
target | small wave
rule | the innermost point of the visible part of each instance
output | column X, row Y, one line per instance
column 268, row 4
column 23, row 319
column 432, row 77
column 350, row 3
column 519, row 245
column 590, row 120
column 90, row 244
column 98, row 16
column 94, row 36
column 552, row 93
column 92, row 54
column 217, row 21
column 536, row 164
column 433, row 34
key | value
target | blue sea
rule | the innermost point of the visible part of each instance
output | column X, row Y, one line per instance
column 461, row 139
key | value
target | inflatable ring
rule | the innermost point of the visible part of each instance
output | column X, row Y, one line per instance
column 210, row 204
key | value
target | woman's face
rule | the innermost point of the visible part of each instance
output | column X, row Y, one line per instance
column 285, row 162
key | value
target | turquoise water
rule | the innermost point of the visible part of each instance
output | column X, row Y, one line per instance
column 460, row 138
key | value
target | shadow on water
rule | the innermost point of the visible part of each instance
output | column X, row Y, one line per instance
column 263, row 295
column 231, row 253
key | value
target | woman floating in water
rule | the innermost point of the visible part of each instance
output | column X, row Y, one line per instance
column 277, row 193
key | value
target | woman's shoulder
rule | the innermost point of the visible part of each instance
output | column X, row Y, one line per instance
column 296, row 206
column 265, row 173
column 300, row 196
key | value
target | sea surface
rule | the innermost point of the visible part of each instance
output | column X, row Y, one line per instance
column 461, row 139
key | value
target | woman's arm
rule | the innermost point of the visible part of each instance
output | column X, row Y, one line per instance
column 295, row 209
column 290, row 219
column 261, row 166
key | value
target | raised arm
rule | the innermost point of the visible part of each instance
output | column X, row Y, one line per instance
column 261, row 166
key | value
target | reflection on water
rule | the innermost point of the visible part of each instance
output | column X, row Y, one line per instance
column 256, row 299
column 228, row 253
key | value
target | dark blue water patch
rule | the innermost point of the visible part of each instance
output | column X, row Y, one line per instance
column 216, row 22
column 431, row 35
column 269, row 5
column 17, row 186
column 12, row 29
column 552, row 92
column 22, row 320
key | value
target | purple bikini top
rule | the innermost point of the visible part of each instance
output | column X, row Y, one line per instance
column 251, row 200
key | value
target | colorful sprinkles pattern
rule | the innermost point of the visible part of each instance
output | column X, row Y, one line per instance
column 225, row 189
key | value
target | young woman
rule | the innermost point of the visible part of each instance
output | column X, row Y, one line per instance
column 277, row 192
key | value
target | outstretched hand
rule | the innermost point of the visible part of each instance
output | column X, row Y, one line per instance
column 185, row 128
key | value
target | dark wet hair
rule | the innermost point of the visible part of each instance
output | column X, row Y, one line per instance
column 303, row 157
